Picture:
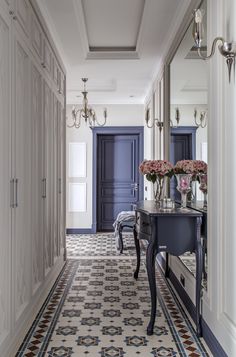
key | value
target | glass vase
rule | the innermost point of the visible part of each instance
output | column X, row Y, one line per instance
column 158, row 187
column 203, row 188
column 183, row 186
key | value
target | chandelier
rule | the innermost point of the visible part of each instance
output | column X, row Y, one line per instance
column 150, row 123
column 86, row 112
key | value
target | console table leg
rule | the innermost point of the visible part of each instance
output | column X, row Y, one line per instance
column 121, row 239
column 199, row 266
column 167, row 271
column 150, row 262
column 137, row 246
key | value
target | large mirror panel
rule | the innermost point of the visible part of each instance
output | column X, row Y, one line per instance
column 188, row 124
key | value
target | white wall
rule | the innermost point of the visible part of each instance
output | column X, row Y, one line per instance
column 219, row 302
column 118, row 115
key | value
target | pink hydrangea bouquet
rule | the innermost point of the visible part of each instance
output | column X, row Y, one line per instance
column 156, row 169
column 193, row 167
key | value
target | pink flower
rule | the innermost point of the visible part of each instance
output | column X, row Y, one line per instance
column 154, row 169
column 193, row 167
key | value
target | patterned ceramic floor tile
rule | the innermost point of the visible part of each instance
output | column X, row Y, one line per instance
column 97, row 309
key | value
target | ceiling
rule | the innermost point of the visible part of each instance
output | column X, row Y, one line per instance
column 117, row 44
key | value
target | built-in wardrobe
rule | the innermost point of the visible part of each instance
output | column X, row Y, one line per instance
column 32, row 162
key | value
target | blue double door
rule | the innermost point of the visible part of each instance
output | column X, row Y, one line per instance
column 119, row 183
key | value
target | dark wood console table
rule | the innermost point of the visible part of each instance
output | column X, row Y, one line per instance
column 173, row 231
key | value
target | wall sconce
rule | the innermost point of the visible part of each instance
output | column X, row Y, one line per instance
column 159, row 123
column 202, row 118
column 227, row 49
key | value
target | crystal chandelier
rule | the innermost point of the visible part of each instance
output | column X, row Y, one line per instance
column 86, row 112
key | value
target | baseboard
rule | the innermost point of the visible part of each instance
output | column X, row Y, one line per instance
column 80, row 231
column 207, row 334
column 36, row 303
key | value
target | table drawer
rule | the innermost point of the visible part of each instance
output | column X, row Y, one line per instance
column 143, row 223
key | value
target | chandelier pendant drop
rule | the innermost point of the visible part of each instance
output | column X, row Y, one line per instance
column 86, row 112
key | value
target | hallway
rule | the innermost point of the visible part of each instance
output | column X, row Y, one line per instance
column 96, row 308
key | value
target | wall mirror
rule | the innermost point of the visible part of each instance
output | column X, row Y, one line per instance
column 188, row 124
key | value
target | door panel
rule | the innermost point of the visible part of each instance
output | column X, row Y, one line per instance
column 22, row 232
column 48, row 169
column 5, row 155
column 37, row 175
column 118, row 160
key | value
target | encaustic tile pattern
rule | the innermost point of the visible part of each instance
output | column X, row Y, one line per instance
column 96, row 308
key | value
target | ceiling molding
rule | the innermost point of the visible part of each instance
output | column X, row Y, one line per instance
column 108, row 53
column 139, row 44
column 82, row 29
column 114, row 55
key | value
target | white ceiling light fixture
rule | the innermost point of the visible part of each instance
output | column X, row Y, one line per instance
column 86, row 112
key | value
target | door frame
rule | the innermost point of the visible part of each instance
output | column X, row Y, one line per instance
column 112, row 130
column 189, row 130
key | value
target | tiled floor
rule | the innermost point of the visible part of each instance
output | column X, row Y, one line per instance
column 97, row 308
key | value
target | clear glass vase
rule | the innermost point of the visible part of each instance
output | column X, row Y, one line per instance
column 158, row 188
column 203, row 188
column 183, row 186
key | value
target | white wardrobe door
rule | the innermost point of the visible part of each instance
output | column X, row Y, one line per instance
column 37, row 177
column 5, row 215
column 48, row 170
column 22, row 162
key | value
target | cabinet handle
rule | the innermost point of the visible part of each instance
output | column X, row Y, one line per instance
column 16, row 192
column 59, row 185
column 44, row 194
column 12, row 193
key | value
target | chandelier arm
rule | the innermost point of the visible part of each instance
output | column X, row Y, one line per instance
column 213, row 47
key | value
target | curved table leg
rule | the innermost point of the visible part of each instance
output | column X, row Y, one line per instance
column 150, row 262
column 121, row 239
column 137, row 247
column 199, row 266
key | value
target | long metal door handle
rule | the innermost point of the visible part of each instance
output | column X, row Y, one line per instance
column 16, row 192
column 44, row 194
column 12, row 181
column 59, row 185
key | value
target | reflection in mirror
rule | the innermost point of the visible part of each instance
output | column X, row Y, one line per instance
column 188, row 132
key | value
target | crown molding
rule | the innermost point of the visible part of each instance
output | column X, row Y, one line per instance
column 111, row 54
